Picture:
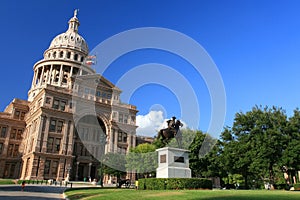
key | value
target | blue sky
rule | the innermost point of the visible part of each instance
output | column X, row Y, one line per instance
column 255, row 45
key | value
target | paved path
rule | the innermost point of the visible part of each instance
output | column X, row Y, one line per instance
column 31, row 192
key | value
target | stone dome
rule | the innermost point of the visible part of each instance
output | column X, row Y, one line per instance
column 71, row 38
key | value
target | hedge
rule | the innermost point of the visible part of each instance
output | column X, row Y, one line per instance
column 297, row 186
column 282, row 186
column 174, row 183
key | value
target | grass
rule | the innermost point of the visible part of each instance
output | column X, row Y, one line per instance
column 6, row 181
column 119, row 194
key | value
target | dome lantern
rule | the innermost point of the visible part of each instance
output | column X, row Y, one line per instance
column 70, row 39
column 74, row 22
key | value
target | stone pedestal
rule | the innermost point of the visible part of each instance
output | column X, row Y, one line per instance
column 173, row 163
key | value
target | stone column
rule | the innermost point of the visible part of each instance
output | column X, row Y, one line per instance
column 71, row 139
column 45, row 139
column 42, row 75
column 116, row 140
column 39, row 134
column 129, row 138
column 90, row 169
column 69, row 79
column 6, row 142
column 134, row 141
column 60, row 75
column 64, row 138
column 49, row 81
column 34, row 79
column 77, row 165
column 111, row 142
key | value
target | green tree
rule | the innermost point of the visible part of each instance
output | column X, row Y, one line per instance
column 198, row 164
column 254, row 145
column 113, row 164
column 291, row 155
column 142, row 159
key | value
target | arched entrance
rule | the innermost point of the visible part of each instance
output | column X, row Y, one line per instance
column 89, row 147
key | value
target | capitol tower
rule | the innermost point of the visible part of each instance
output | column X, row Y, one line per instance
column 73, row 116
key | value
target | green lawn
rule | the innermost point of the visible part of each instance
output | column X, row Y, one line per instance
column 6, row 181
column 128, row 194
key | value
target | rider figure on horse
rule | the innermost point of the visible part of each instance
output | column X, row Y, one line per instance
column 171, row 123
column 173, row 131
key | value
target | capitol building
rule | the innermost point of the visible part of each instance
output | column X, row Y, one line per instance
column 71, row 118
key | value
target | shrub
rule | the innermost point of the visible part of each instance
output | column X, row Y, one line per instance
column 6, row 181
column 282, row 186
column 174, row 183
column 297, row 186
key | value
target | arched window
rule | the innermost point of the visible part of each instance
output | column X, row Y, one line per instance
column 69, row 55
column 76, row 57
column 54, row 54
column 61, row 54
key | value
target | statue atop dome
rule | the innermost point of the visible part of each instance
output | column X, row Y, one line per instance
column 75, row 12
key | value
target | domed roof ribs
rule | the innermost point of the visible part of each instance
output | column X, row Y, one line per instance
column 74, row 22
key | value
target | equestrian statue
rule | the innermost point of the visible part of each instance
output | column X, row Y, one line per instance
column 173, row 130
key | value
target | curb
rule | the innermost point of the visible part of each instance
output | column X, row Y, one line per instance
column 65, row 196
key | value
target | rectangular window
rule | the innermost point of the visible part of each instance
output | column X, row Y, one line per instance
column 59, row 126
column 54, row 168
column 57, row 145
column 62, row 105
column 125, row 119
column 22, row 115
column 55, row 104
column 121, row 118
column 119, row 136
column 98, row 94
column 59, row 104
column 13, row 134
column 114, row 115
column 19, row 134
column 133, row 119
column 52, row 125
column 125, row 137
column 12, row 170
column 71, row 105
column 3, row 131
column 17, row 114
column 47, row 167
column 16, row 151
column 6, row 169
column 10, row 150
column 50, row 144
column 48, row 100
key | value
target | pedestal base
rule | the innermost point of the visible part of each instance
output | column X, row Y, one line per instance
column 173, row 172
column 173, row 163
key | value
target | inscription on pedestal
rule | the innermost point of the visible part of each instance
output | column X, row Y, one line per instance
column 179, row 159
column 163, row 158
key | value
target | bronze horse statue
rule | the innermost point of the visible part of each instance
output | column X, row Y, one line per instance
column 166, row 134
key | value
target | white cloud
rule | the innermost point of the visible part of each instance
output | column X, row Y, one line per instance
column 151, row 123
